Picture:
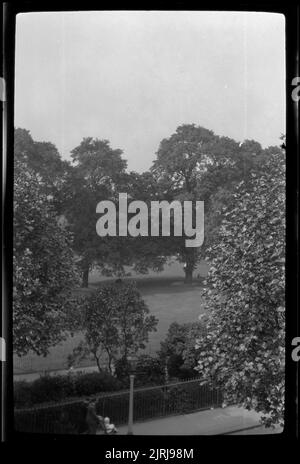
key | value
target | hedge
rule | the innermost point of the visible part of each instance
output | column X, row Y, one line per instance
column 60, row 387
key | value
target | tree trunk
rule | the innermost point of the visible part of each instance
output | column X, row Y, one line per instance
column 85, row 277
column 188, row 275
column 109, row 364
column 109, row 360
column 98, row 363
column 190, row 265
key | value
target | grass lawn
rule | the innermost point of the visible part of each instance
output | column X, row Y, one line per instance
column 167, row 298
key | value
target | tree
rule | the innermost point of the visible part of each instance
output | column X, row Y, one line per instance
column 116, row 324
column 145, row 252
column 98, row 174
column 149, row 371
column 44, row 271
column 182, row 164
column 243, row 349
column 44, row 160
column 177, row 351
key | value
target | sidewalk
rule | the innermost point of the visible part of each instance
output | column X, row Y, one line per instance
column 230, row 420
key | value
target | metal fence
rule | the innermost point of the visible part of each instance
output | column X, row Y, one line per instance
column 149, row 402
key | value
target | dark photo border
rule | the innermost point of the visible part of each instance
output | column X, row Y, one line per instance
column 291, row 429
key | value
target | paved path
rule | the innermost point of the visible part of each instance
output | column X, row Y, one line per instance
column 230, row 420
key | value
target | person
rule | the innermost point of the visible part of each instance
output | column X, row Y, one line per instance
column 110, row 428
column 93, row 421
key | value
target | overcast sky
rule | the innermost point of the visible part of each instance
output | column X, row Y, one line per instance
column 134, row 77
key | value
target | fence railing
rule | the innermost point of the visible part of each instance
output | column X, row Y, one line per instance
column 149, row 403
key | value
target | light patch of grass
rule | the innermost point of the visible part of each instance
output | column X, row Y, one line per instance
column 167, row 297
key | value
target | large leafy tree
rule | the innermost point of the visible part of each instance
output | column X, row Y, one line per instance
column 116, row 324
column 195, row 164
column 44, row 271
column 243, row 348
column 98, row 174
column 44, row 160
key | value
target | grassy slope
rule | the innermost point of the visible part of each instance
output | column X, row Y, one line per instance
column 167, row 298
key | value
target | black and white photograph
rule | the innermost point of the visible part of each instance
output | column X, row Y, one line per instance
column 149, row 223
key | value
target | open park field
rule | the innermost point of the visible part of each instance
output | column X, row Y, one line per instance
column 167, row 297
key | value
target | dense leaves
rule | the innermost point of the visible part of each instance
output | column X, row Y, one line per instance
column 53, row 388
column 97, row 174
column 196, row 164
column 243, row 349
column 44, row 270
column 177, row 351
column 44, row 160
column 116, row 324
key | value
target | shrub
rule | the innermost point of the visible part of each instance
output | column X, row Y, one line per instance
column 149, row 371
column 177, row 351
column 122, row 369
column 62, row 418
column 59, row 387
column 96, row 382
column 22, row 393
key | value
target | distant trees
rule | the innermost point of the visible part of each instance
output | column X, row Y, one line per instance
column 115, row 322
column 243, row 349
column 192, row 164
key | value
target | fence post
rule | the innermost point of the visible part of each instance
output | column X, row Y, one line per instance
column 130, row 414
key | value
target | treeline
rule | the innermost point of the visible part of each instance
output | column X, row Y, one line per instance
column 192, row 164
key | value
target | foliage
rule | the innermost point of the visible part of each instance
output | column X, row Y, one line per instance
column 60, row 387
column 123, row 369
column 115, row 322
column 58, row 418
column 44, row 271
column 44, row 160
column 177, row 351
column 243, row 349
column 178, row 167
column 149, row 371
column 97, row 174
column 195, row 164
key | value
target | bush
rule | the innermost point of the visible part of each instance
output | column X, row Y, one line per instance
column 22, row 393
column 60, row 387
column 96, row 382
column 178, row 350
column 122, row 370
column 149, row 371
column 61, row 418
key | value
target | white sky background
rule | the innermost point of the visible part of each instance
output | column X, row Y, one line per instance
column 134, row 77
